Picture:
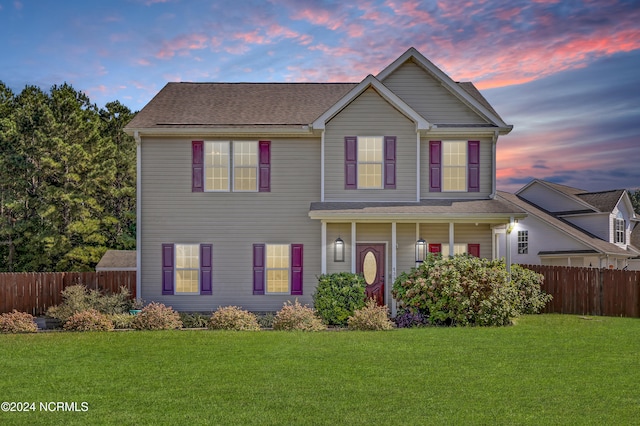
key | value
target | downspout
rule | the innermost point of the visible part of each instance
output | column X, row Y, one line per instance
column 136, row 136
column 493, row 165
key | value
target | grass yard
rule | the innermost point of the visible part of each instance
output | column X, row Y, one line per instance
column 548, row 369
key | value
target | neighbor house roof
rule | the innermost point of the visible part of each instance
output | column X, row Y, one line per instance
column 467, row 210
column 576, row 233
column 601, row 202
column 117, row 260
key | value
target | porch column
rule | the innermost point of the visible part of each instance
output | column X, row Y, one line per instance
column 323, row 245
column 508, row 246
column 394, row 244
column 451, row 239
column 353, row 247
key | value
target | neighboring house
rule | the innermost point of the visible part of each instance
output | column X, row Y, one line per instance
column 571, row 227
column 117, row 260
column 248, row 191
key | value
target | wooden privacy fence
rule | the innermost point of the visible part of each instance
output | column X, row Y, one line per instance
column 591, row 291
column 34, row 292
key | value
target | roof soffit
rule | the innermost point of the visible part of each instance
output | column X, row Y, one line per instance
column 445, row 80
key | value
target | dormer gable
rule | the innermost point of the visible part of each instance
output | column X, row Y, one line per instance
column 436, row 96
column 372, row 82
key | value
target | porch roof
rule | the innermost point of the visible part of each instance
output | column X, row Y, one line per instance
column 484, row 211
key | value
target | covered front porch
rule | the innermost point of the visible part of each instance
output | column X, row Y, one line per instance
column 382, row 240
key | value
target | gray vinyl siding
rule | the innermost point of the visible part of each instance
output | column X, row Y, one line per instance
column 428, row 97
column 486, row 168
column 232, row 222
column 335, row 230
column 370, row 115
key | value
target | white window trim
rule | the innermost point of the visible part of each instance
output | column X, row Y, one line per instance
column 231, row 167
column 176, row 269
column 619, row 229
column 465, row 166
column 524, row 241
column 359, row 162
column 267, row 269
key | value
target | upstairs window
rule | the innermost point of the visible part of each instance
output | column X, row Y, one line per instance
column 454, row 166
column 224, row 166
column 370, row 162
column 620, row 230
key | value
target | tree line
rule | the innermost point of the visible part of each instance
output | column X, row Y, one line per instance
column 67, row 180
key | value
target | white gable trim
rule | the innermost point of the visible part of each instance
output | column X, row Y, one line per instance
column 446, row 81
column 388, row 95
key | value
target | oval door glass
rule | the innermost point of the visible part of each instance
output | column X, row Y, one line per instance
column 369, row 268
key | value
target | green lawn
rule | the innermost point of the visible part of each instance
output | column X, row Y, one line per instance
column 547, row 369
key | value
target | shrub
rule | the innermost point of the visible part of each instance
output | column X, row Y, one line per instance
column 371, row 317
column 90, row 320
column 408, row 319
column 531, row 298
column 17, row 322
column 121, row 321
column 233, row 318
column 156, row 316
column 77, row 298
column 461, row 290
column 338, row 296
column 193, row 320
column 297, row 317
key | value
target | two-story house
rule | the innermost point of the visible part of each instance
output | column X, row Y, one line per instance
column 568, row 226
column 248, row 191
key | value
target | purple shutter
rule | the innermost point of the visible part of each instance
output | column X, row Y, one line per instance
column 435, row 248
column 390, row 162
column 264, row 150
column 473, row 249
column 435, row 166
column 350, row 162
column 206, row 270
column 258, row 268
column 197, row 166
column 296, row 269
column 167, row 269
column 474, row 166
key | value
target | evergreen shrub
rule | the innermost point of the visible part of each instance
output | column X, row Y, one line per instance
column 338, row 296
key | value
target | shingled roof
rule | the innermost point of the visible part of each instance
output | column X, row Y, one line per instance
column 586, row 238
column 238, row 104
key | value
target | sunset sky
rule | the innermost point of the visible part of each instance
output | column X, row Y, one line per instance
column 566, row 74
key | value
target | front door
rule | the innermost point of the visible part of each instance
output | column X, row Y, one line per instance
column 370, row 263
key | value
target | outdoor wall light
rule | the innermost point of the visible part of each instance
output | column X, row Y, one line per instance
column 421, row 250
column 338, row 250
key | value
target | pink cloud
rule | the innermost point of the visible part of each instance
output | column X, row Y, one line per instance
column 182, row 44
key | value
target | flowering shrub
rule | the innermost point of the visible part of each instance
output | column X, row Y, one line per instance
column 461, row 290
column 531, row 298
column 17, row 322
column 78, row 298
column 121, row 321
column 370, row 318
column 233, row 318
column 156, row 316
column 297, row 317
column 90, row 320
column 338, row 296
